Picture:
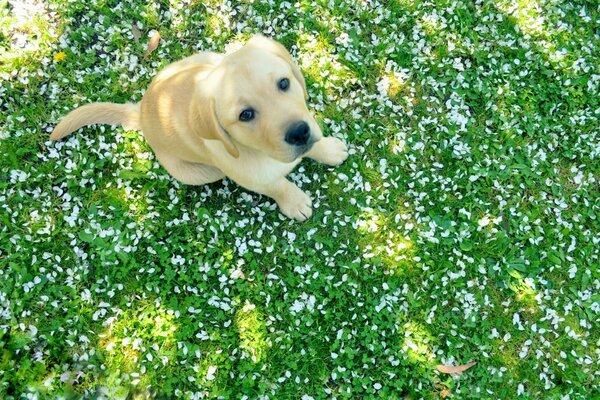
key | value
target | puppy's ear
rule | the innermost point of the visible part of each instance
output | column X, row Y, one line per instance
column 276, row 48
column 204, row 120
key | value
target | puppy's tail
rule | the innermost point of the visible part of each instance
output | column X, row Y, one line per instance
column 127, row 115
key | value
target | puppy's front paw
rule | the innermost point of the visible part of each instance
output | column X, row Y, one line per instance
column 295, row 204
column 331, row 151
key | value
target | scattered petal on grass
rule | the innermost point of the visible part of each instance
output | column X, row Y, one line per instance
column 137, row 34
column 114, row 269
column 210, row 373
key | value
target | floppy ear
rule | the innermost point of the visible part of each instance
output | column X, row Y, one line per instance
column 262, row 42
column 205, row 123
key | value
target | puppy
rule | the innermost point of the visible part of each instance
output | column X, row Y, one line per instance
column 242, row 115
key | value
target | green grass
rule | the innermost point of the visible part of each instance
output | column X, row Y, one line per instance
column 463, row 227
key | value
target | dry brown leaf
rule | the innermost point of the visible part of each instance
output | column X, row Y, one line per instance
column 152, row 43
column 454, row 369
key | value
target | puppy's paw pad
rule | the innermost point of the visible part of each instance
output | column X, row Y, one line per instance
column 335, row 151
column 297, row 206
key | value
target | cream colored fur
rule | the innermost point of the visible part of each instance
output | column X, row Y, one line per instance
column 190, row 117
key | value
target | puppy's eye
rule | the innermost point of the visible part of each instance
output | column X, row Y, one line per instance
column 283, row 84
column 247, row 115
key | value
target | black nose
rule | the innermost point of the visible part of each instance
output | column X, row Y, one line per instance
column 298, row 134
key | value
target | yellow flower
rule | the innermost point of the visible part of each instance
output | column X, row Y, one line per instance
column 60, row 56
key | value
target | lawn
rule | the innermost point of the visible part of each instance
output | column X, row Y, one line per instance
column 462, row 228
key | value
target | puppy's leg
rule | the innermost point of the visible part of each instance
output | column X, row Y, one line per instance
column 329, row 150
column 188, row 172
column 292, row 201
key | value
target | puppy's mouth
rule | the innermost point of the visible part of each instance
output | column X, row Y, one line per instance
column 300, row 150
column 293, row 154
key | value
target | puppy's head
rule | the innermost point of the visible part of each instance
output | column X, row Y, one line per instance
column 259, row 101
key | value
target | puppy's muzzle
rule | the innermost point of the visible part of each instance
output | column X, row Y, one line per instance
column 300, row 138
column 298, row 134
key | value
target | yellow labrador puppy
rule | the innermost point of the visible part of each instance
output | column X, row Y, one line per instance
column 242, row 115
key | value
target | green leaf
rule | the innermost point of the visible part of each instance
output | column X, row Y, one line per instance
column 466, row 245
